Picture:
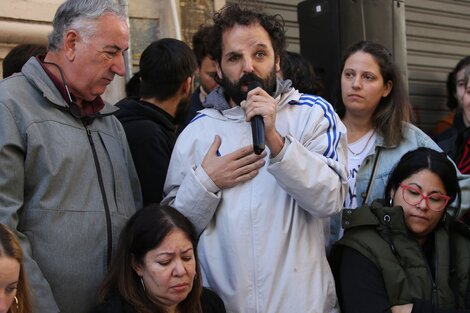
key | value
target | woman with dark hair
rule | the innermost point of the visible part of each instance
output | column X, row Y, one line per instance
column 405, row 253
column 373, row 104
column 14, row 291
column 156, row 267
column 455, row 89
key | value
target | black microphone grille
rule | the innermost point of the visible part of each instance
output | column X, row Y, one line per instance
column 252, row 85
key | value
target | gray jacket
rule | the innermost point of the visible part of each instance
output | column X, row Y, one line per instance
column 53, row 194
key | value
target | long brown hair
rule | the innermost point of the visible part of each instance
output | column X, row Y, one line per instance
column 10, row 247
column 392, row 110
column 143, row 232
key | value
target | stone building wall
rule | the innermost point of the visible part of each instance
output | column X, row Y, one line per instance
column 29, row 21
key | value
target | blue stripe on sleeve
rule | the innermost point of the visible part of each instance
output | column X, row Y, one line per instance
column 198, row 116
column 332, row 135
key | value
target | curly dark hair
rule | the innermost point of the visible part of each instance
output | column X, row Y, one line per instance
column 233, row 14
column 201, row 43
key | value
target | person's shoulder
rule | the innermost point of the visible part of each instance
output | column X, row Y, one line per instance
column 361, row 216
column 13, row 86
column 410, row 128
column 415, row 137
column 123, row 103
column 211, row 302
column 309, row 106
column 143, row 116
column 305, row 99
column 128, row 107
column 446, row 135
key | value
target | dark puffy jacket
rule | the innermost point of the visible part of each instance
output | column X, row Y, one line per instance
column 379, row 234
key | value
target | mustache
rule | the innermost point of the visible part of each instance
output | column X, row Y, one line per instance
column 249, row 78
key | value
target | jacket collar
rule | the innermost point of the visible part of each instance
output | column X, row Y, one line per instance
column 133, row 109
column 38, row 77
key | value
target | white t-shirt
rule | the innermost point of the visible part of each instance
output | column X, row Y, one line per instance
column 357, row 151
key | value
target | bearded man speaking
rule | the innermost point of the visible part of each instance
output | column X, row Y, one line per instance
column 260, row 217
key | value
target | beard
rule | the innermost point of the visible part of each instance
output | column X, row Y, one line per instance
column 234, row 89
column 182, row 110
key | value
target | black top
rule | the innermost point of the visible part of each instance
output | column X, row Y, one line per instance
column 454, row 140
column 362, row 290
column 210, row 302
column 195, row 105
column 150, row 132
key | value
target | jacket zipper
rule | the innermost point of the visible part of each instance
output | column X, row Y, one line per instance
column 103, row 194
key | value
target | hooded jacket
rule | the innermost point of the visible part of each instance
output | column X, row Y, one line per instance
column 262, row 243
column 151, row 135
column 68, row 186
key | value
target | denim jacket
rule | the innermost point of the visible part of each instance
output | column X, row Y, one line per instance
column 388, row 158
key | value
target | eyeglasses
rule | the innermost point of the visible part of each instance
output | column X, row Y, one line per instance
column 435, row 201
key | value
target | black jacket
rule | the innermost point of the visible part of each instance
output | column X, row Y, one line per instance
column 151, row 135
column 210, row 302
column 453, row 140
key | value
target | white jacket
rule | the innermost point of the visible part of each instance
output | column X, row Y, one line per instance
column 262, row 245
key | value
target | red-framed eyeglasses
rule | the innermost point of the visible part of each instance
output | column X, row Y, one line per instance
column 413, row 196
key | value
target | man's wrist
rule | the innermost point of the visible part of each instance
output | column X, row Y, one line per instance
column 205, row 180
column 275, row 143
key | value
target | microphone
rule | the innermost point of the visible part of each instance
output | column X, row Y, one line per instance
column 257, row 125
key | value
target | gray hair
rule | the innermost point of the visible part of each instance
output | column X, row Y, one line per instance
column 80, row 15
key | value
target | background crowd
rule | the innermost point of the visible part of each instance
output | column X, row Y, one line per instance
column 159, row 203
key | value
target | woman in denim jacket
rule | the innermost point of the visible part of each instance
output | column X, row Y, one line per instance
column 373, row 104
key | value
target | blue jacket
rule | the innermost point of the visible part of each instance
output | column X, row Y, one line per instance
column 388, row 158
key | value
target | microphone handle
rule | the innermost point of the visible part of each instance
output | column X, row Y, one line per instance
column 257, row 129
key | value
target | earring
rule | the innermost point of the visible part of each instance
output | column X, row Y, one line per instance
column 16, row 302
column 142, row 282
column 391, row 202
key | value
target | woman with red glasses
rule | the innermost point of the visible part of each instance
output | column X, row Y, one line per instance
column 405, row 253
